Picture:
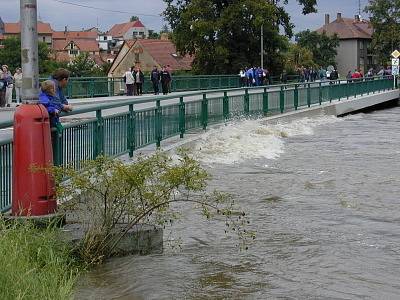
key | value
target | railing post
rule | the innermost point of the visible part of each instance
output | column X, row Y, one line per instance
column 111, row 86
column 57, row 146
column 265, row 101
column 296, row 97
column 225, row 106
column 348, row 89
column 246, row 102
column 69, row 89
column 158, row 124
column 99, row 135
column 182, row 113
column 355, row 86
column 204, row 111
column 131, row 131
column 282, row 100
column 91, row 88
column 308, row 94
column 320, row 93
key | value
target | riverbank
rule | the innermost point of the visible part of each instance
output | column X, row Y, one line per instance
column 35, row 263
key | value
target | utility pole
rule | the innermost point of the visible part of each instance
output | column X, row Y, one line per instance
column 29, row 51
column 262, row 46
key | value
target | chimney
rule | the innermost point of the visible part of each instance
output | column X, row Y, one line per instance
column 65, row 30
column 339, row 17
column 357, row 18
column 327, row 19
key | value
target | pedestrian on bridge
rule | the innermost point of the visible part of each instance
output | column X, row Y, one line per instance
column 129, row 82
column 165, row 79
column 18, row 84
column 155, row 79
column 139, row 80
column 9, row 83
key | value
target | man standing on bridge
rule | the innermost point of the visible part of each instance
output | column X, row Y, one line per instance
column 155, row 79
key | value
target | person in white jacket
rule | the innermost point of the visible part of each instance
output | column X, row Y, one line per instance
column 18, row 84
column 129, row 82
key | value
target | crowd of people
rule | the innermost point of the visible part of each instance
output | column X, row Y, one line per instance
column 9, row 83
column 134, row 79
column 255, row 76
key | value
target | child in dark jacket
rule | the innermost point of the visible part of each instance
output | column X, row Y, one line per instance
column 54, row 107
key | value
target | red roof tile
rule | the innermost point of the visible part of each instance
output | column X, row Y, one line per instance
column 85, row 45
column 62, row 56
column 15, row 28
column 164, row 53
column 120, row 29
column 347, row 28
column 74, row 35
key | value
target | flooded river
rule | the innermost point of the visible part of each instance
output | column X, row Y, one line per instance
column 323, row 197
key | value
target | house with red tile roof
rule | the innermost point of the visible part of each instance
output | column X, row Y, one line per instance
column 355, row 35
column 45, row 32
column 129, row 31
column 69, row 44
column 146, row 53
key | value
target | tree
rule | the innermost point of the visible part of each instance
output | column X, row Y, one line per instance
column 297, row 57
column 82, row 65
column 154, row 35
column 224, row 35
column 322, row 46
column 385, row 19
column 134, row 18
column 10, row 54
column 110, row 197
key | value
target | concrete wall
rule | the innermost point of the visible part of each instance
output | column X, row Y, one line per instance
column 347, row 56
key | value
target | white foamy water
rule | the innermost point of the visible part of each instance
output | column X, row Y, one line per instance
column 250, row 139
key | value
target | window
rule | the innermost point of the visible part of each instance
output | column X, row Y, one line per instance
column 73, row 52
column 361, row 45
column 44, row 39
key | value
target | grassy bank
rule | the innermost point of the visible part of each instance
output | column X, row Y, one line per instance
column 35, row 264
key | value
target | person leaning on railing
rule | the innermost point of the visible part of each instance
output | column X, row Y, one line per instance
column 48, row 99
column 60, row 78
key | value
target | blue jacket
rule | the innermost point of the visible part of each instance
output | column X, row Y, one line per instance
column 59, row 97
column 52, row 105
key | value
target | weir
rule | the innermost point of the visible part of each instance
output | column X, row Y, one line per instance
column 126, row 125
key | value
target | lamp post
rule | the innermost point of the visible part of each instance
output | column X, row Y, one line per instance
column 262, row 46
column 33, row 194
column 29, row 51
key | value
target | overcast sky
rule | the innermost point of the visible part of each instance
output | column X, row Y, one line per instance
column 61, row 14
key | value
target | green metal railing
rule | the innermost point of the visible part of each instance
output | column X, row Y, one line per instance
column 89, row 87
column 167, row 116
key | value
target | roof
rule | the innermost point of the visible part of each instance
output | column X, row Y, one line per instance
column 85, row 45
column 347, row 28
column 74, row 35
column 15, row 28
column 120, row 29
column 62, row 56
column 164, row 53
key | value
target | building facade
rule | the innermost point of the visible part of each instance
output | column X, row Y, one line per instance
column 129, row 31
column 146, row 54
column 45, row 32
column 355, row 37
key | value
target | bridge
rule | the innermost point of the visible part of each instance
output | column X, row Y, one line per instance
column 122, row 125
